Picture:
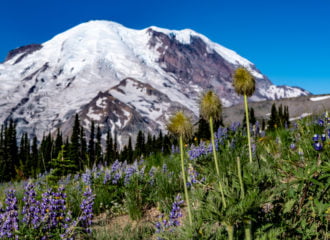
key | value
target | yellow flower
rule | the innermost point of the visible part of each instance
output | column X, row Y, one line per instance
column 328, row 211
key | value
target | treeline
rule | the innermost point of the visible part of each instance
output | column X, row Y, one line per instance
column 72, row 154
column 279, row 118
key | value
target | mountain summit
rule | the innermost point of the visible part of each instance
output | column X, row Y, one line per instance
column 123, row 79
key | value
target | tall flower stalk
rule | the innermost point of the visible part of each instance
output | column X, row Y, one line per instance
column 210, row 109
column 180, row 125
column 244, row 85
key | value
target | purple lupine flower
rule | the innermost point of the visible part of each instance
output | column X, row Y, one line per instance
column 107, row 177
column 320, row 122
column 197, row 151
column 86, row 206
column 31, row 209
column 130, row 171
column 9, row 217
column 317, row 146
column 234, row 126
column 222, row 134
column 86, row 177
column 329, row 133
column 116, row 178
column 175, row 149
column 192, row 177
column 323, row 137
column 152, row 176
column 173, row 220
column 116, row 166
column 262, row 134
column 257, row 128
column 53, row 211
column 315, row 137
column 293, row 146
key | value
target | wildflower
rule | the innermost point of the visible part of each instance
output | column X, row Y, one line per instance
column 320, row 122
column 9, row 218
column 31, row 208
column 317, row 146
column 234, row 126
column 315, row 137
column 173, row 219
column 85, row 219
column 323, row 137
column 87, row 177
column 292, row 146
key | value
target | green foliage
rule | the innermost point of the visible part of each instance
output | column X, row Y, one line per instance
column 61, row 166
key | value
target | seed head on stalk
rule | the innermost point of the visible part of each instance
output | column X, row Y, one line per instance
column 210, row 106
column 244, row 83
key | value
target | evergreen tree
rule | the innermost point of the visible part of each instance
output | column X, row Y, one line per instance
column 11, row 152
column 115, row 147
column 167, row 145
column 272, row 123
column 2, row 156
column 24, row 157
column 154, row 144
column 252, row 118
column 83, row 147
column 280, row 117
column 91, row 146
column 98, row 147
column 58, row 143
column 75, row 145
column 203, row 132
column 159, row 142
column 139, row 145
column 129, row 150
column 61, row 166
column 123, row 154
column 45, row 152
column 109, row 153
column 149, row 145
column 35, row 163
column 263, row 125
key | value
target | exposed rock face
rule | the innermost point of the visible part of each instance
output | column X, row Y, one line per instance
column 23, row 52
column 123, row 79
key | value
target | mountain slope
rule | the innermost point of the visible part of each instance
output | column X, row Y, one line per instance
column 147, row 74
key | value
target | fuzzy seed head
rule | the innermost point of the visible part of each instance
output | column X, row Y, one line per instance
column 244, row 83
column 179, row 124
column 210, row 106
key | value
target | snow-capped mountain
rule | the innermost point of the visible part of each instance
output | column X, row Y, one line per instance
column 122, row 79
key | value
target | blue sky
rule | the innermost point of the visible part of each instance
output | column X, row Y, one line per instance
column 288, row 40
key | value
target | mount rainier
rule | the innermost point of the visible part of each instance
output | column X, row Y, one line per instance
column 123, row 79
